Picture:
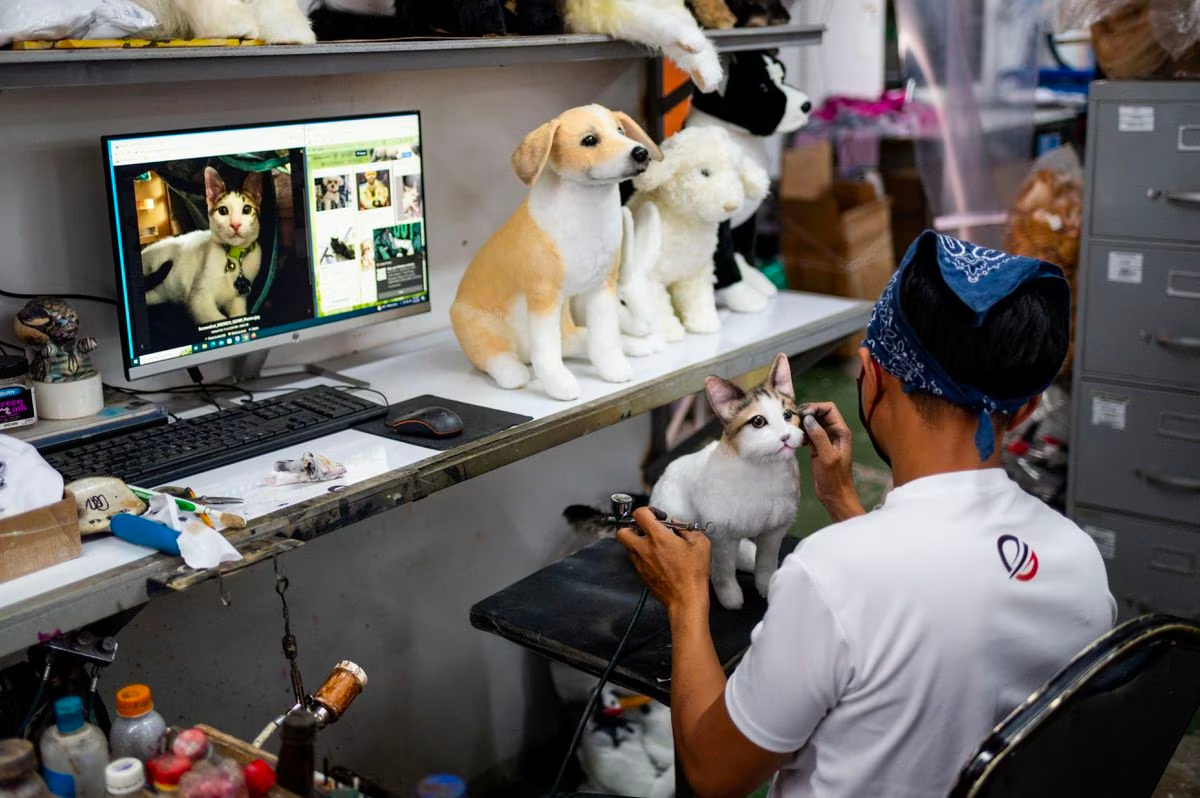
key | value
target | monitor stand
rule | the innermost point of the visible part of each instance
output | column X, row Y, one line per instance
column 250, row 367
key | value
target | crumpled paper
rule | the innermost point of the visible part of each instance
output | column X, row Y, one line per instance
column 201, row 546
column 309, row 467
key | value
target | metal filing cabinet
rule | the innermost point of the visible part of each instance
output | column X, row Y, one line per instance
column 1135, row 433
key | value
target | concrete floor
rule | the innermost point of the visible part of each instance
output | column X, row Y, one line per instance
column 1182, row 778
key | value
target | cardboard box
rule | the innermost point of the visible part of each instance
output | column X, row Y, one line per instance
column 39, row 538
column 806, row 172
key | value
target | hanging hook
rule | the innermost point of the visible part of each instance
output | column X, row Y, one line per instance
column 226, row 599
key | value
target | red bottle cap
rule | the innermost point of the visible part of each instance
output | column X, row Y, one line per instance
column 166, row 770
column 260, row 777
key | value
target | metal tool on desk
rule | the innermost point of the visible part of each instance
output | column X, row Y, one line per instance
column 188, row 493
column 231, row 520
column 622, row 515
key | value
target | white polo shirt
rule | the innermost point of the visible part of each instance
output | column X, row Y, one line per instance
column 894, row 642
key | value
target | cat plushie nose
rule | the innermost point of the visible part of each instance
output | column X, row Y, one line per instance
column 786, row 438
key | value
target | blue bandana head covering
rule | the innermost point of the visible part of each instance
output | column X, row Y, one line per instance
column 978, row 276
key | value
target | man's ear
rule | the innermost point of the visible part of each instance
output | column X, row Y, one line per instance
column 1019, row 417
column 634, row 131
column 724, row 398
column 531, row 156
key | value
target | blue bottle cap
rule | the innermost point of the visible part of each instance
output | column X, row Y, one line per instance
column 442, row 785
column 68, row 714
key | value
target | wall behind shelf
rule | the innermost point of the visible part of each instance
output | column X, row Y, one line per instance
column 54, row 218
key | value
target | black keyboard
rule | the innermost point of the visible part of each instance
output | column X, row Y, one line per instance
column 166, row 452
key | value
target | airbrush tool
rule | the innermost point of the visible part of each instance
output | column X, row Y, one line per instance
column 622, row 515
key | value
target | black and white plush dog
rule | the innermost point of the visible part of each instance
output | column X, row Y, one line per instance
column 753, row 102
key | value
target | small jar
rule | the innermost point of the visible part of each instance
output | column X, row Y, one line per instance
column 17, row 408
column 124, row 777
column 18, row 771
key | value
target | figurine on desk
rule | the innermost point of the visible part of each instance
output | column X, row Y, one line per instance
column 64, row 382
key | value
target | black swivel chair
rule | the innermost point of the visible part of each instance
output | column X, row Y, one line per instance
column 1105, row 726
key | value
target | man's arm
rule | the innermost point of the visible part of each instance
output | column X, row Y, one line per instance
column 717, row 758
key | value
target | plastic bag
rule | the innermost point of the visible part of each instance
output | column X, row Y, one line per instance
column 25, row 20
column 1137, row 38
column 1046, row 218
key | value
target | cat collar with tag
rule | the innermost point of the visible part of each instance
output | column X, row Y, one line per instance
column 233, row 262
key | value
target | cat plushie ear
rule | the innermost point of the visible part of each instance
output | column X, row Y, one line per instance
column 780, row 377
column 214, row 186
column 531, row 156
column 253, row 186
column 725, row 398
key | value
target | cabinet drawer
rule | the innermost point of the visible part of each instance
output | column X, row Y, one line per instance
column 1146, row 181
column 1143, row 314
column 1151, row 566
column 1138, row 451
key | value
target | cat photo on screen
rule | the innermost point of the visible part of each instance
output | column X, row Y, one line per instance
column 410, row 199
column 209, row 240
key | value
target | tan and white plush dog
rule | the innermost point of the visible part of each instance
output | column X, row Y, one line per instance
column 563, row 241
column 703, row 179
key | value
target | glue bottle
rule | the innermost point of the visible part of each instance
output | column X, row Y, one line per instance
column 74, row 753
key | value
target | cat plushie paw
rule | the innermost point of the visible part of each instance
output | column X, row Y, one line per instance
column 560, row 383
column 729, row 594
column 508, row 372
column 703, row 322
column 614, row 369
column 643, row 346
column 741, row 298
column 671, row 330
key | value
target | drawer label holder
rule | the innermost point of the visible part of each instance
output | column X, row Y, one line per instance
column 1109, row 411
column 1135, row 119
column 1106, row 540
column 1125, row 267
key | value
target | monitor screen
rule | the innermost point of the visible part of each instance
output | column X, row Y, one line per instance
column 230, row 240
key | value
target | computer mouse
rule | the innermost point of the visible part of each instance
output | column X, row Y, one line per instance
column 428, row 422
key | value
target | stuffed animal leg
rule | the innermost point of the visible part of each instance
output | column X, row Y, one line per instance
column 664, row 25
column 713, row 14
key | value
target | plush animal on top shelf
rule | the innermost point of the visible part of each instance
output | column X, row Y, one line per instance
column 757, row 13
column 753, row 102
column 51, row 327
column 701, row 181
column 664, row 25
column 390, row 19
column 563, row 241
column 276, row 21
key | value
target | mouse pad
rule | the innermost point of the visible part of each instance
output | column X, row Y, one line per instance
column 478, row 422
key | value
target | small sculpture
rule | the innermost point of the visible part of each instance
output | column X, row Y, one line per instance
column 51, row 327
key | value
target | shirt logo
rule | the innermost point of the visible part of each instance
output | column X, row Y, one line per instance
column 1019, row 560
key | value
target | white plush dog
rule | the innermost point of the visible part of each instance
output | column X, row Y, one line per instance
column 563, row 241
column 701, row 181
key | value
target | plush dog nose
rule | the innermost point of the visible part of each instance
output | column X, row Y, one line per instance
column 806, row 107
column 640, row 154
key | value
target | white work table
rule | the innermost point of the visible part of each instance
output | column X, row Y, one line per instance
column 111, row 575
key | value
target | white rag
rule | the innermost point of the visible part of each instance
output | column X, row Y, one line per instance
column 201, row 546
column 23, row 20
column 27, row 482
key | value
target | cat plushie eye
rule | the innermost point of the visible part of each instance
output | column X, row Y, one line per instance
column 758, row 422
column 247, row 209
column 223, row 210
column 787, row 415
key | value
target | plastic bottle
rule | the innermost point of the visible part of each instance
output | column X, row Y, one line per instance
column 442, row 785
column 18, row 771
column 138, row 730
column 74, row 753
column 124, row 777
column 297, row 756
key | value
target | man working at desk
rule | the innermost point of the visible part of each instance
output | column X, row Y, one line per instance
column 895, row 640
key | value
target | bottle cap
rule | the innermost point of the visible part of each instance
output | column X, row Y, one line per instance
column 299, row 726
column 259, row 776
column 68, row 714
column 442, row 785
column 134, row 700
column 16, row 759
column 13, row 366
column 124, row 775
column 167, row 769
column 354, row 670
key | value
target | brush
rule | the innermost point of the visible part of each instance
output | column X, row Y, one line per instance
column 231, row 520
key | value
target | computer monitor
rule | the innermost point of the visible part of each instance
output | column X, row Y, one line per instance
column 236, row 239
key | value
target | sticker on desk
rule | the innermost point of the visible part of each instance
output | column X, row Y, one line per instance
column 1125, row 267
column 1109, row 411
column 1135, row 119
column 1106, row 540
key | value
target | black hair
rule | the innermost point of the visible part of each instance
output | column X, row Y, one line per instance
column 1015, row 352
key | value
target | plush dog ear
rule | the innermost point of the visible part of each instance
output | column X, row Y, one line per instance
column 634, row 131
column 531, row 156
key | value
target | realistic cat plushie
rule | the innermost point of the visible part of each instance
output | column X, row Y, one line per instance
column 753, row 102
column 701, row 181
column 745, row 486
column 388, row 19
column 276, row 21
column 210, row 272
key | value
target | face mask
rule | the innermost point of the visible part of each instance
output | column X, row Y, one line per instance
column 865, row 418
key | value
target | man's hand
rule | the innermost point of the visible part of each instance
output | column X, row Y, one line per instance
column 674, row 565
column 828, row 439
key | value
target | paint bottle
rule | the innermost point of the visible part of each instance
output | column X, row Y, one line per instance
column 17, row 408
column 18, row 771
column 124, row 777
column 74, row 753
column 138, row 730
column 297, row 755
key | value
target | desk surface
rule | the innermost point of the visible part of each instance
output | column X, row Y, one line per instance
column 112, row 575
column 576, row 611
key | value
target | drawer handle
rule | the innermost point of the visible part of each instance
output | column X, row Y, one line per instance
column 1164, row 481
column 1171, row 195
column 1169, row 342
